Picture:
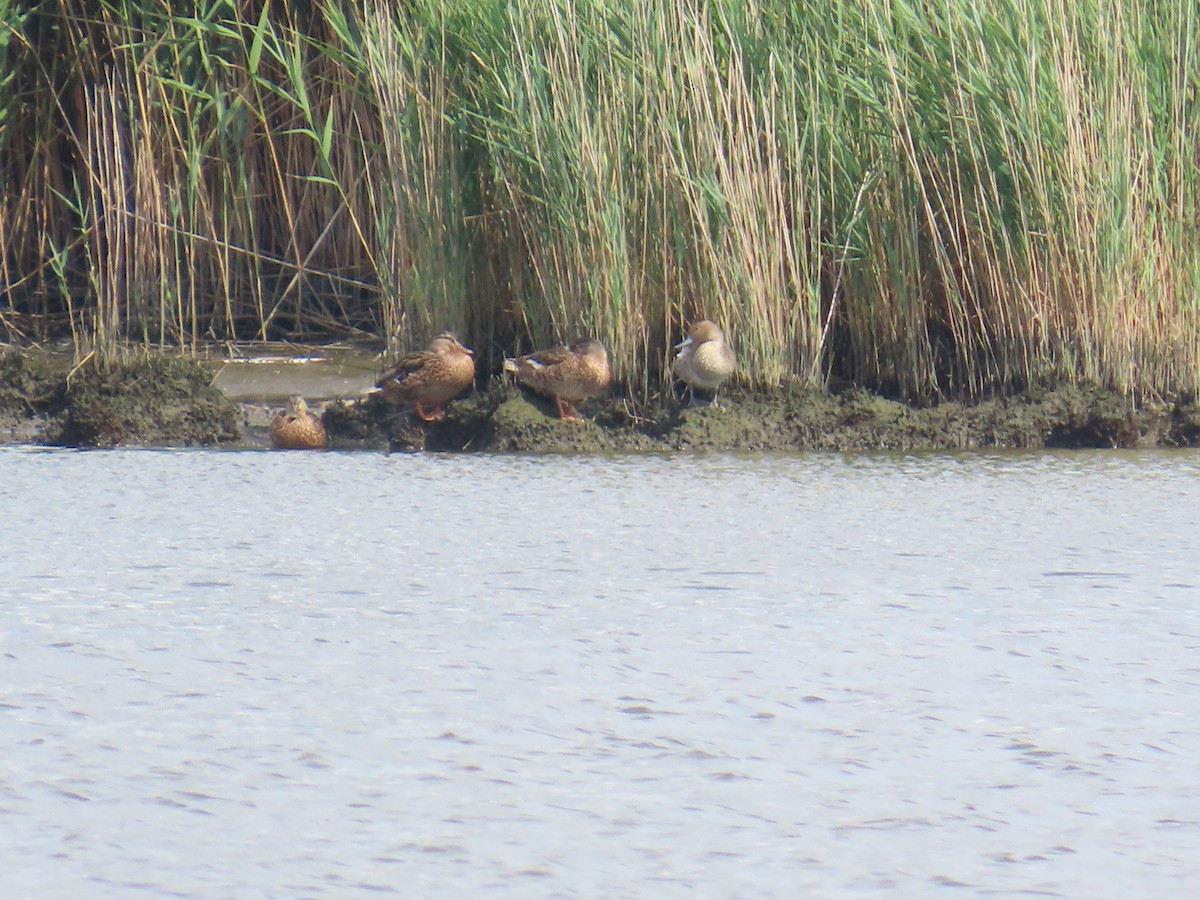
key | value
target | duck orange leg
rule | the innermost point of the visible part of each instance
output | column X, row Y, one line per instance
column 434, row 415
column 566, row 410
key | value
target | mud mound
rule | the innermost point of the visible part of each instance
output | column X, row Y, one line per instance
column 154, row 401
column 29, row 392
column 378, row 422
column 27, row 384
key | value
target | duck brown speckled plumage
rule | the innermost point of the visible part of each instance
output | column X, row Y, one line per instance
column 296, row 428
column 568, row 374
column 432, row 377
column 705, row 359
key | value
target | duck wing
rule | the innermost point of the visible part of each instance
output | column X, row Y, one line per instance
column 544, row 359
column 406, row 366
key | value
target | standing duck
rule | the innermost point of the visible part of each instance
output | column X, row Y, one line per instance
column 705, row 359
column 568, row 374
column 296, row 428
column 432, row 377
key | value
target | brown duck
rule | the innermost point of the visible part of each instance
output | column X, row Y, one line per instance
column 296, row 428
column 705, row 359
column 568, row 374
column 432, row 377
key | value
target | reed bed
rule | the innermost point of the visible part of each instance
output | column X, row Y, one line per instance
column 930, row 199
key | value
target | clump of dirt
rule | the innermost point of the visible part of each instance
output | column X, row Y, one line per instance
column 1067, row 417
column 155, row 400
column 1184, row 430
column 376, row 421
column 27, row 383
column 797, row 418
column 28, row 392
column 469, row 424
column 501, row 418
column 355, row 424
column 529, row 423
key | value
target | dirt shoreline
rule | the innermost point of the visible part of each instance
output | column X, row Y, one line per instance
column 161, row 401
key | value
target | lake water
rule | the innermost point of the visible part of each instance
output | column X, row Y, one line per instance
column 269, row 674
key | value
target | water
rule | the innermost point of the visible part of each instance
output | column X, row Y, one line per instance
column 264, row 674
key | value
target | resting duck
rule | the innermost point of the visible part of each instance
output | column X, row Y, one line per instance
column 568, row 374
column 432, row 377
column 704, row 360
column 296, row 428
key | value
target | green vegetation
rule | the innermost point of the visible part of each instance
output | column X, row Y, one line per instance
column 932, row 199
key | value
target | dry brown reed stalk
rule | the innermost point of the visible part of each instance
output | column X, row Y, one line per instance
column 931, row 200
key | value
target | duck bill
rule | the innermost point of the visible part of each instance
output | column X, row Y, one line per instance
column 686, row 342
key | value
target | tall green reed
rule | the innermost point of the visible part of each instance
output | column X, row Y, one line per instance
column 931, row 199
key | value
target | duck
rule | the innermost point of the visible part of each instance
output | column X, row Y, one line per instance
column 705, row 359
column 568, row 374
column 296, row 428
column 432, row 377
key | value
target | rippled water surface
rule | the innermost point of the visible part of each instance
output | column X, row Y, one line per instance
column 262, row 674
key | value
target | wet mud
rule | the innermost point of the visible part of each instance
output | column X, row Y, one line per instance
column 155, row 401
column 171, row 401
column 504, row 418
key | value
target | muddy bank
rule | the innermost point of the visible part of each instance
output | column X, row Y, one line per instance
column 504, row 418
column 169, row 401
column 153, row 401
